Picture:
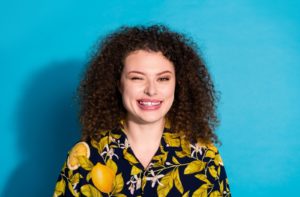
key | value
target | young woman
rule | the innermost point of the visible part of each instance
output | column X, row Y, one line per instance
column 148, row 119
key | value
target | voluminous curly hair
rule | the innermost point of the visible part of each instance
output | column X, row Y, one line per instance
column 194, row 107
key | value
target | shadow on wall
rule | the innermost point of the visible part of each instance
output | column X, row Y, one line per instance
column 47, row 128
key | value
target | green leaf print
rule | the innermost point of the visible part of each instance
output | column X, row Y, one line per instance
column 75, row 178
column 110, row 163
column 129, row 157
column 186, row 194
column 177, row 181
column 90, row 191
column 215, row 194
column 213, row 171
column 203, row 178
column 135, row 170
column 118, row 184
column 60, row 187
column 166, row 185
column 71, row 189
column 195, row 166
column 85, row 163
column 201, row 192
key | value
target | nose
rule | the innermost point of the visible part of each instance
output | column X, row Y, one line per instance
column 150, row 88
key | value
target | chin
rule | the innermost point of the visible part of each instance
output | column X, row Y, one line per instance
column 151, row 119
column 148, row 116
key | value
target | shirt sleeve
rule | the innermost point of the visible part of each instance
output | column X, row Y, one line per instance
column 69, row 182
column 216, row 174
column 72, row 176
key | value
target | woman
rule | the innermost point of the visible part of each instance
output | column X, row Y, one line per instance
column 148, row 119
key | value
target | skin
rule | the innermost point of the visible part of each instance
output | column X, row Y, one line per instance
column 147, row 86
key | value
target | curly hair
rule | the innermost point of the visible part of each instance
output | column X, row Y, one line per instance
column 194, row 108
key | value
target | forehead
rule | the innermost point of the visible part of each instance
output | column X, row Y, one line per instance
column 142, row 60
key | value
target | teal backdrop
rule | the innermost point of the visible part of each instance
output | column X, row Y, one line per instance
column 251, row 47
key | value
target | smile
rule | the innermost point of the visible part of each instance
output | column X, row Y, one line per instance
column 149, row 104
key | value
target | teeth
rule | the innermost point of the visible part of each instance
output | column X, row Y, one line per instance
column 149, row 103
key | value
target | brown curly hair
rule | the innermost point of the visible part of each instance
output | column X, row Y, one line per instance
column 194, row 107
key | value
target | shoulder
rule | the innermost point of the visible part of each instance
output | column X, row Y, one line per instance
column 179, row 146
column 84, row 152
column 206, row 152
column 209, row 152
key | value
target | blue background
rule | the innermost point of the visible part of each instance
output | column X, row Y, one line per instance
column 251, row 47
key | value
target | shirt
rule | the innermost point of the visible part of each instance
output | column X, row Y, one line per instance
column 108, row 167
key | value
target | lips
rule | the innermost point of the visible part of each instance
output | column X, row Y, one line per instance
column 149, row 104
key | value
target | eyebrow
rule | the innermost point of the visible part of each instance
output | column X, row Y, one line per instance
column 138, row 72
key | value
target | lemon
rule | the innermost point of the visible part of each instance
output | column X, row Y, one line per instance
column 80, row 149
column 103, row 177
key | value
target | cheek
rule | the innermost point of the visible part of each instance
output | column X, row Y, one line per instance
column 168, row 95
column 128, row 94
column 125, row 94
column 124, row 90
column 170, row 91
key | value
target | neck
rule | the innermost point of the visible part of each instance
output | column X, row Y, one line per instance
column 144, row 134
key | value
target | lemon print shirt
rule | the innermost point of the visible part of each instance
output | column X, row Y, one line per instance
column 108, row 167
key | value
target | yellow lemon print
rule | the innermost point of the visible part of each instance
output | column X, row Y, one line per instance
column 103, row 177
column 80, row 149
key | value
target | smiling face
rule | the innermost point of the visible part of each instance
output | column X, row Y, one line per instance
column 147, row 86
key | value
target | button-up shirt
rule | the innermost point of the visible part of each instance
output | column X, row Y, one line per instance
column 108, row 167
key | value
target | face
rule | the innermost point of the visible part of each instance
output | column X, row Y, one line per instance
column 147, row 86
